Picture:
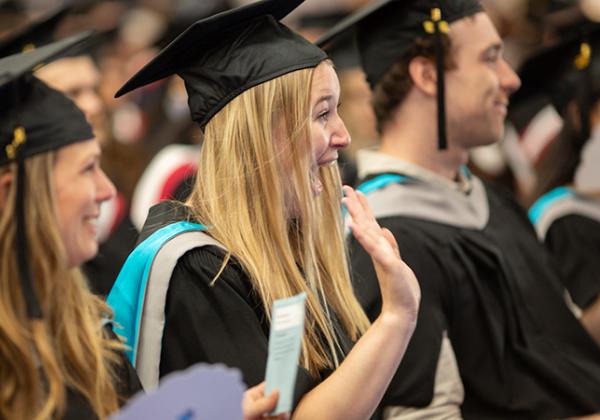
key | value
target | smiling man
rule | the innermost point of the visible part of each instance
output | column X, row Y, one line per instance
column 494, row 338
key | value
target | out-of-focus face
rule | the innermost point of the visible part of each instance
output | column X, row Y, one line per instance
column 80, row 186
column 79, row 79
column 328, row 132
column 477, row 90
column 356, row 110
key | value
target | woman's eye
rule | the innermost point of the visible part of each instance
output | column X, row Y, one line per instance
column 90, row 167
column 323, row 116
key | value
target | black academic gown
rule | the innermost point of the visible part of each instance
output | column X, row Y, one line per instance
column 220, row 323
column 574, row 242
column 78, row 408
column 520, row 352
column 102, row 271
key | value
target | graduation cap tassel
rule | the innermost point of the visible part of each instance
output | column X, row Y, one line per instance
column 441, row 92
column 14, row 151
column 582, row 63
column 31, row 303
column 436, row 27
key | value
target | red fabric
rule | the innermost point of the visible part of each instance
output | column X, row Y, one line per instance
column 120, row 211
column 178, row 175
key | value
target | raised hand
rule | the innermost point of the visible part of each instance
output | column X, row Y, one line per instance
column 400, row 290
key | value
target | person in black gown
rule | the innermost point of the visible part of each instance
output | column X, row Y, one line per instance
column 566, row 214
column 268, row 194
column 76, row 75
column 58, row 356
column 495, row 337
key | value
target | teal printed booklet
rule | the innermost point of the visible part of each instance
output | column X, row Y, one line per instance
column 285, row 339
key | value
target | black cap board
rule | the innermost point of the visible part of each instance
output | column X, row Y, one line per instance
column 20, row 64
column 344, row 55
column 553, row 70
column 385, row 30
column 39, row 32
column 223, row 55
column 34, row 119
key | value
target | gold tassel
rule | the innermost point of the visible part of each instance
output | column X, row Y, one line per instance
column 582, row 61
column 19, row 138
column 436, row 20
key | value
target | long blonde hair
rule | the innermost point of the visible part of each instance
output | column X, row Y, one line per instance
column 39, row 359
column 240, row 194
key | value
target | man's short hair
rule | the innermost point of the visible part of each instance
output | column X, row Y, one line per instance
column 396, row 82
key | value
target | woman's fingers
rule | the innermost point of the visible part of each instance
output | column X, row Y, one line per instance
column 365, row 228
column 399, row 288
column 255, row 404
column 365, row 204
column 354, row 205
column 389, row 236
column 359, row 204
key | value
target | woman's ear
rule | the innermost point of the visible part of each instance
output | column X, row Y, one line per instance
column 423, row 74
column 5, row 183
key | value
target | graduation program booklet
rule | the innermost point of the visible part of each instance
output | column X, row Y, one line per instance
column 285, row 339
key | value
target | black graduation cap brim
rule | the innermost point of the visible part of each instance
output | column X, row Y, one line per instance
column 386, row 29
column 221, row 56
column 160, row 67
column 320, row 20
column 14, row 66
column 48, row 118
column 12, row 6
column 349, row 23
column 91, row 45
column 183, row 20
column 344, row 55
column 39, row 32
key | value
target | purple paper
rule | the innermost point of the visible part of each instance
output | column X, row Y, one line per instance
column 201, row 392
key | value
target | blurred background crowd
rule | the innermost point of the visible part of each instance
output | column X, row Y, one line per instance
column 150, row 143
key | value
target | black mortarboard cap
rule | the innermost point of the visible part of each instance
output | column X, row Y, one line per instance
column 17, row 65
column 12, row 6
column 387, row 29
column 344, row 55
column 565, row 72
column 34, row 119
column 37, row 33
column 223, row 55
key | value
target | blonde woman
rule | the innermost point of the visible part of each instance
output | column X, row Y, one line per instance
column 56, row 358
column 268, row 197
